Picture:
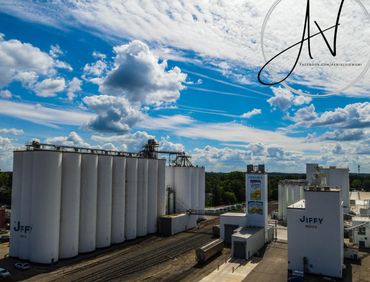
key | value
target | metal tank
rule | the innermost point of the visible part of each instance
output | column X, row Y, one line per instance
column 45, row 209
column 152, row 195
column 25, row 225
column 118, row 200
column 70, row 205
column 161, row 188
column 142, row 198
column 16, row 204
column 131, row 198
column 104, row 202
column 182, row 185
column 88, row 203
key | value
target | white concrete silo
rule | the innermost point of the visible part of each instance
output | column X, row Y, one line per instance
column 25, row 227
column 45, row 209
column 195, row 188
column 182, row 176
column 118, row 200
column 202, row 188
column 152, row 195
column 104, row 202
column 131, row 198
column 88, row 203
column 161, row 188
column 70, row 205
column 142, row 198
column 16, row 204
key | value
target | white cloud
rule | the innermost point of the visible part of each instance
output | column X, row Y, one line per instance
column 166, row 145
column 55, row 51
column 251, row 113
column 284, row 99
column 73, row 139
column 95, row 69
column 114, row 114
column 140, row 78
column 73, row 86
column 5, row 94
column 36, row 113
column 11, row 131
column 50, row 87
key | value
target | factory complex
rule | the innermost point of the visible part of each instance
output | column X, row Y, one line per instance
column 70, row 203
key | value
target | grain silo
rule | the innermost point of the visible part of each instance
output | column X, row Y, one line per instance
column 202, row 190
column 70, row 205
column 26, row 202
column 118, row 199
column 142, row 198
column 45, row 209
column 104, row 202
column 16, row 204
column 131, row 198
column 161, row 188
column 182, row 186
column 195, row 188
column 89, row 186
column 152, row 195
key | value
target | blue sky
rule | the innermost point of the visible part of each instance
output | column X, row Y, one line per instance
column 112, row 75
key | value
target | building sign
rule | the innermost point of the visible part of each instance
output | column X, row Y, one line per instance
column 311, row 222
column 255, row 207
column 255, row 190
column 22, row 228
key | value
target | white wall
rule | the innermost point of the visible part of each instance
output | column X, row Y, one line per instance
column 321, row 243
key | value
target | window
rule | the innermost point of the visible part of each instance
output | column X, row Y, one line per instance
column 362, row 230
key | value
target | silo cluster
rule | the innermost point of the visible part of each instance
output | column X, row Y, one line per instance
column 65, row 203
column 188, row 184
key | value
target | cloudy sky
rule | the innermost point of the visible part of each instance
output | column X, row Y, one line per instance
column 111, row 74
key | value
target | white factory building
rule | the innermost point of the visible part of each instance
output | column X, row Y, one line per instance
column 291, row 191
column 248, row 232
column 68, row 201
column 315, row 233
column 361, row 234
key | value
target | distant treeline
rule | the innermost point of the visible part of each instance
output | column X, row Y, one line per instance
column 229, row 188
column 221, row 188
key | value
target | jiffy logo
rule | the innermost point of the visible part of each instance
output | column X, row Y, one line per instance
column 22, row 228
column 314, row 220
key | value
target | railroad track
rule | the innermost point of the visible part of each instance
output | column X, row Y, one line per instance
column 131, row 261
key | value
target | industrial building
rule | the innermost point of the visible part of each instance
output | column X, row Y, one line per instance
column 316, row 233
column 248, row 232
column 290, row 191
column 69, row 200
column 330, row 176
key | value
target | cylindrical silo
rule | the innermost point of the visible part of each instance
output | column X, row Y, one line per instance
column 161, row 188
column 195, row 188
column 88, row 203
column 142, row 198
column 45, row 209
column 118, row 200
column 131, row 198
column 152, row 195
column 104, row 202
column 25, row 226
column 16, row 204
column 70, row 205
column 202, row 188
column 182, row 177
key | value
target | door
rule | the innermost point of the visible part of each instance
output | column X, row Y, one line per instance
column 239, row 250
column 229, row 230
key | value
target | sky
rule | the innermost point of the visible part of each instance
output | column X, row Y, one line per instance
column 111, row 74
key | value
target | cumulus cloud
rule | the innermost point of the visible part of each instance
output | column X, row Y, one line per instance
column 166, row 145
column 351, row 116
column 50, row 87
column 73, row 86
column 251, row 113
column 55, row 51
column 139, row 77
column 343, row 135
column 114, row 114
column 73, row 139
column 338, row 149
column 284, row 99
column 11, row 131
column 26, row 63
column 5, row 94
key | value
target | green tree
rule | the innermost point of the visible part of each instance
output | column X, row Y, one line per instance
column 356, row 183
column 229, row 198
